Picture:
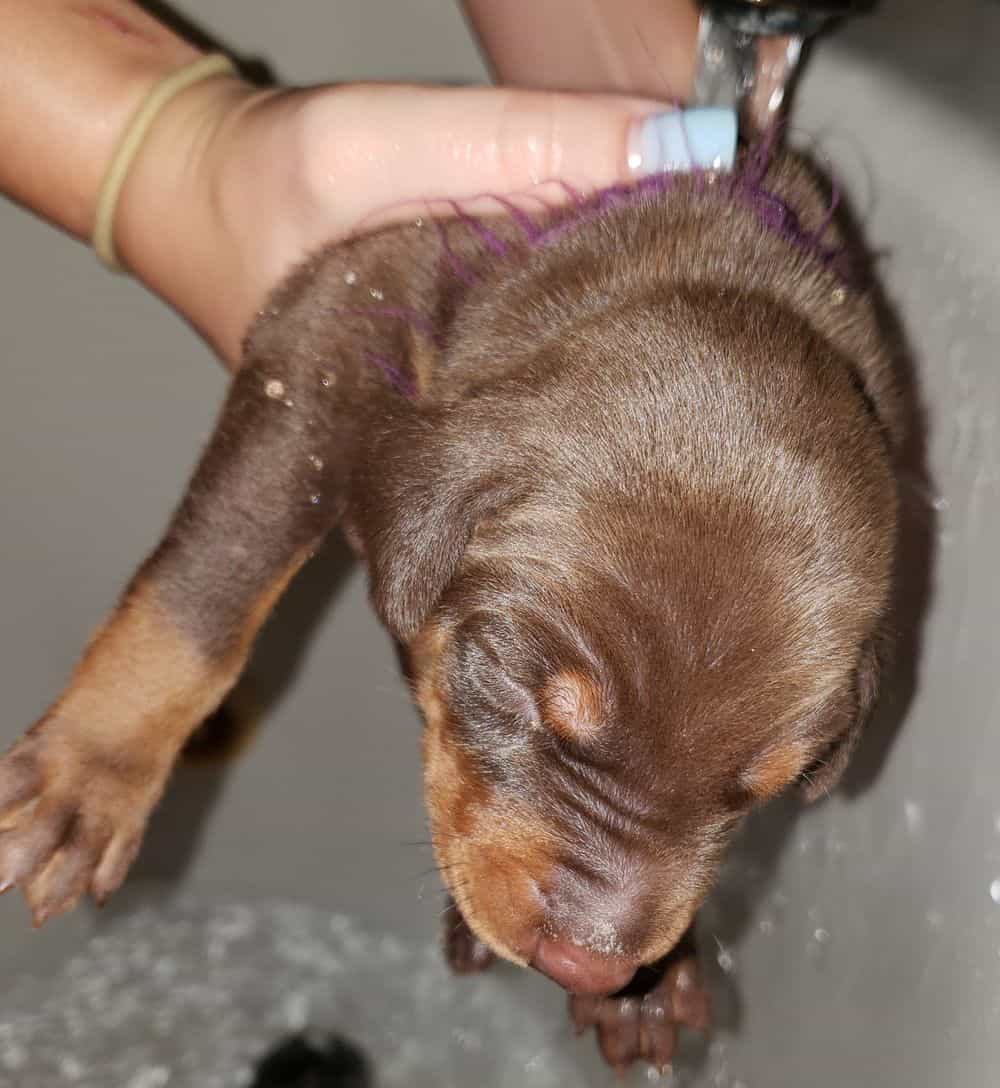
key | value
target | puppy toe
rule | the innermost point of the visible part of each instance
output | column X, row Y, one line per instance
column 114, row 865
column 584, row 1011
column 689, row 999
column 57, row 888
column 618, row 1031
column 20, row 782
column 26, row 848
column 657, row 1033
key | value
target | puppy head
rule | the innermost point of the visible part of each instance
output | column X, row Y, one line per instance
column 623, row 633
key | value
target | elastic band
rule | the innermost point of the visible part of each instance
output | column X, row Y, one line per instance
column 131, row 140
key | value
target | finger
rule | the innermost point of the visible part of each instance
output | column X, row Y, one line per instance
column 385, row 148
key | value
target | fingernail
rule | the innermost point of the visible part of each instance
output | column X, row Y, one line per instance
column 703, row 139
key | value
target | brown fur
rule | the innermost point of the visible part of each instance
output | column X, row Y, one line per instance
column 635, row 532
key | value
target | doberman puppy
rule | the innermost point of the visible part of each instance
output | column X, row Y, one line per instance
column 622, row 475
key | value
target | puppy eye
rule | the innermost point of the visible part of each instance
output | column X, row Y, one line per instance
column 485, row 693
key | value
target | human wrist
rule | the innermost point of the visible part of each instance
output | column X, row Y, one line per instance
column 173, row 227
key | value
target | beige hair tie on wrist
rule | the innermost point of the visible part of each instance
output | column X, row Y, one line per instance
column 131, row 140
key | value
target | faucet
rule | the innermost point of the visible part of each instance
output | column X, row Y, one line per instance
column 750, row 50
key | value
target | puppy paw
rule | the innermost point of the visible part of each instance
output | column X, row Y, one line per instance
column 71, row 817
column 465, row 952
column 642, row 1026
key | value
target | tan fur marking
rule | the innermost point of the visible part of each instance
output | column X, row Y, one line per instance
column 775, row 769
column 482, row 845
column 572, row 705
column 143, row 681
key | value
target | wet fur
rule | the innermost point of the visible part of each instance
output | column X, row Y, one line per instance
column 634, row 527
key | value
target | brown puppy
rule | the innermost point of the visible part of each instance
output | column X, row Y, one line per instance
column 624, row 484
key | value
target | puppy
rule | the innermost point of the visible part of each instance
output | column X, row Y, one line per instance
column 622, row 476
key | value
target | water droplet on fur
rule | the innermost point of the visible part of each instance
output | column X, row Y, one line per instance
column 289, row 403
column 839, row 295
column 274, row 389
column 316, row 462
column 350, row 278
column 995, row 891
column 315, row 499
column 325, row 380
column 419, row 221
column 376, row 293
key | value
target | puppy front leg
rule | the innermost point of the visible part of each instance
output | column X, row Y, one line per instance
column 77, row 789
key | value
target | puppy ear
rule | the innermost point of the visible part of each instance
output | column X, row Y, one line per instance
column 823, row 775
column 427, row 485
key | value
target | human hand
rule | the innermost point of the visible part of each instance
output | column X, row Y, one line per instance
column 234, row 185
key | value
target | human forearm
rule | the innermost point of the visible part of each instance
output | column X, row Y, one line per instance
column 72, row 75
column 630, row 46
column 231, row 185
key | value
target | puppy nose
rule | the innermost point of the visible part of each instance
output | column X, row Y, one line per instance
column 579, row 970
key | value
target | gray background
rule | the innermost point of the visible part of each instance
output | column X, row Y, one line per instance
column 861, row 937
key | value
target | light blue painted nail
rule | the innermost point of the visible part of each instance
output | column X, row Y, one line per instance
column 683, row 140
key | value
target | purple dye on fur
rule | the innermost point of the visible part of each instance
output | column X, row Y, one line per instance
column 396, row 378
column 494, row 244
column 399, row 313
column 461, row 272
column 745, row 187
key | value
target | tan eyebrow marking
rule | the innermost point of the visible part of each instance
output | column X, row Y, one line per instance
column 774, row 769
column 572, row 705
